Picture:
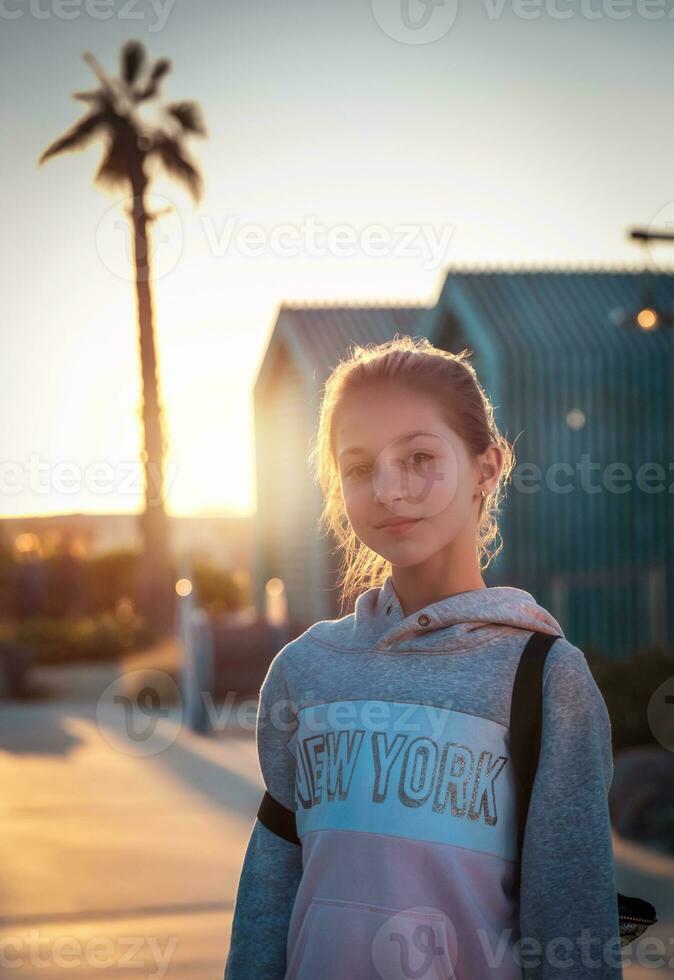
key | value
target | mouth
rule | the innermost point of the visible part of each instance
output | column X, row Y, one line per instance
column 398, row 524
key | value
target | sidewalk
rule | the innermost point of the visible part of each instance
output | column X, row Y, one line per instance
column 133, row 860
column 650, row 875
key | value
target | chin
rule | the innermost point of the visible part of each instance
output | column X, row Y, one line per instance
column 404, row 556
column 397, row 561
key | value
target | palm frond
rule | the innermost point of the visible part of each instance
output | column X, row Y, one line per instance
column 114, row 169
column 94, row 96
column 188, row 114
column 106, row 83
column 132, row 60
column 172, row 157
column 77, row 137
column 162, row 67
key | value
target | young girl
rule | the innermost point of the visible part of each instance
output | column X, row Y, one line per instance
column 385, row 844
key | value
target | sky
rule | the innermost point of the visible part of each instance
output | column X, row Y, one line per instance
column 356, row 152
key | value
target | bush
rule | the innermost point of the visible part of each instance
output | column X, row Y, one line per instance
column 627, row 687
column 61, row 585
column 219, row 591
column 88, row 639
column 111, row 577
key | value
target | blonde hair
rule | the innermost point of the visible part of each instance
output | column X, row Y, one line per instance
column 448, row 378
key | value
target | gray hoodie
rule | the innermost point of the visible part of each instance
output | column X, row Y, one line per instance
column 388, row 737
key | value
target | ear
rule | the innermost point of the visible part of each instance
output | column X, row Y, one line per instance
column 489, row 465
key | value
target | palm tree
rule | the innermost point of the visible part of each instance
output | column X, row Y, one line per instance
column 134, row 151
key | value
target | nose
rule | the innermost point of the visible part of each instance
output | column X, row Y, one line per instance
column 388, row 482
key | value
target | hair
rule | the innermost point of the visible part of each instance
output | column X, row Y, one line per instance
column 452, row 382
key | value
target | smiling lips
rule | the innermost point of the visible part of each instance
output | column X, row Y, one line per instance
column 399, row 524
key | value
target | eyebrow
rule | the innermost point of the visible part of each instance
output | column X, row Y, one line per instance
column 355, row 450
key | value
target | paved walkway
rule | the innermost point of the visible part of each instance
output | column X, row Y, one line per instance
column 648, row 875
column 112, row 860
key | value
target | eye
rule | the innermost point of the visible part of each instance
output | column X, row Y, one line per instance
column 425, row 458
column 355, row 470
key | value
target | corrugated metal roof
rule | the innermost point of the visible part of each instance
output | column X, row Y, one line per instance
column 525, row 311
column 580, row 309
column 320, row 335
column 523, row 323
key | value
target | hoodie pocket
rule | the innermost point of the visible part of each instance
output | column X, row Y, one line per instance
column 339, row 939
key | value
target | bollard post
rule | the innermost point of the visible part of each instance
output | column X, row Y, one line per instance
column 189, row 682
column 203, row 670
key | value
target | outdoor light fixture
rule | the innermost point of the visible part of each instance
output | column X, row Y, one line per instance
column 648, row 316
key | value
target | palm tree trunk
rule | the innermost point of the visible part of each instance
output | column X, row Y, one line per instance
column 156, row 594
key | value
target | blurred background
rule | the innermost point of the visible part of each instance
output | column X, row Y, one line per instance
column 205, row 206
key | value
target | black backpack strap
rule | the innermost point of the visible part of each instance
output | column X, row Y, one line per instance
column 635, row 915
column 526, row 721
column 278, row 818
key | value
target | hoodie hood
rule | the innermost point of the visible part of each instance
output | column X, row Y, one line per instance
column 460, row 621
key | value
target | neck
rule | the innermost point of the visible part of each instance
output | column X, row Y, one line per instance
column 437, row 578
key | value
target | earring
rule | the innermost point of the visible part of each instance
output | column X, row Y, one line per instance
column 484, row 493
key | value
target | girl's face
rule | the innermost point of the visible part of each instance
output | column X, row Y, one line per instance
column 398, row 458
